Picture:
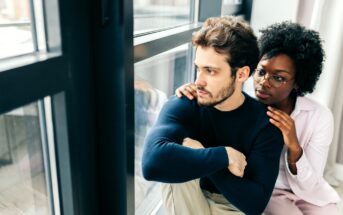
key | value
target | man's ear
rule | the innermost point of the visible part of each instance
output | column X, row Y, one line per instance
column 242, row 73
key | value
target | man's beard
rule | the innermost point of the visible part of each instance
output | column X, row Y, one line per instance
column 224, row 93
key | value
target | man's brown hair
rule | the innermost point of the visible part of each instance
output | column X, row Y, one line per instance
column 231, row 36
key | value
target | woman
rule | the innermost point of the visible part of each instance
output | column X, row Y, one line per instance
column 290, row 65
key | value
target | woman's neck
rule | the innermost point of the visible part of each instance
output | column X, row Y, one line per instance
column 288, row 105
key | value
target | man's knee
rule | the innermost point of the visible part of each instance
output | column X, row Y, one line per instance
column 184, row 198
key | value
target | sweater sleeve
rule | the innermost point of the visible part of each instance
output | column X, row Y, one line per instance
column 164, row 157
column 251, row 193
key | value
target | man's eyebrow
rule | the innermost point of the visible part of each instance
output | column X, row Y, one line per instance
column 207, row 67
column 212, row 67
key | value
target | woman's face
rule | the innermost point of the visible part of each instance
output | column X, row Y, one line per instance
column 274, row 80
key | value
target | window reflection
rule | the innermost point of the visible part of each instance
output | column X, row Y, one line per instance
column 155, row 80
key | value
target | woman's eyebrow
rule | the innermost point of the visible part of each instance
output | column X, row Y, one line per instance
column 281, row 70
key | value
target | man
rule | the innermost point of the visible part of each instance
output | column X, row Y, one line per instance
column 217, row 154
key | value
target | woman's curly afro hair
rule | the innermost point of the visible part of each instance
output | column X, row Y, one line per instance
column 303, row 46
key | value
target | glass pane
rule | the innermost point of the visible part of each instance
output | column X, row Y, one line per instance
column 155, row 80
column 151, row 15
column 23, row 175
column 15, row 28
column 232, row 7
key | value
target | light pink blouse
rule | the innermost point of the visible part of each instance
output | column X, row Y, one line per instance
column 314, row 127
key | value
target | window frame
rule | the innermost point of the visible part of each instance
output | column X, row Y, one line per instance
column 49, row 71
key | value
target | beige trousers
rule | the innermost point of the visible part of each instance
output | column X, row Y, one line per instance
column 189, row 199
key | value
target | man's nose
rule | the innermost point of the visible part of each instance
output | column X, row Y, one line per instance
column 200, row 80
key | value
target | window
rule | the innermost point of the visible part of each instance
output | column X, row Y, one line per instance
column 28, row 169
column 24, row 36
column 167, row 70
column 163, row 61
column 163, row 57
column 15, row 28
column 27, row 164
column 156, row 79
column 155, row 15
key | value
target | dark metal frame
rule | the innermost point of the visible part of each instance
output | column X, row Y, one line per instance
column 115, row 106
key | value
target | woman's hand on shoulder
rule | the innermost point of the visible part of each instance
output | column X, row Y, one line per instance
column 286, row 125
column 189, row 90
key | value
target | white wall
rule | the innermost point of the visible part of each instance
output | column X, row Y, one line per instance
column 267, row 12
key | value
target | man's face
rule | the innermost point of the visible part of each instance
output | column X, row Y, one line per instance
column 274, row 80
column 214, row 82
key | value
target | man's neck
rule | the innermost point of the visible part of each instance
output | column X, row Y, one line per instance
column 233, row 102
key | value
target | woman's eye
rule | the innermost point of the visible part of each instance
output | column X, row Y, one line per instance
column 261, row 72
column 278, row 78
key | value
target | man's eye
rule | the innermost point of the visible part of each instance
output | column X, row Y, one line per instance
column 278, row 78
column 210, row 71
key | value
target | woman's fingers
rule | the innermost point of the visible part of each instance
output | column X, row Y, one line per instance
column 279, row 121
column 280, row 116
column 188, row 90
column 178, row 92
column 193, row 87
column 278, row 124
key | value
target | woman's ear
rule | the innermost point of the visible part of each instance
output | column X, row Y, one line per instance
column 242, row 73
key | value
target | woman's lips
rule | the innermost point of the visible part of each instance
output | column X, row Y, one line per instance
column 262, row 94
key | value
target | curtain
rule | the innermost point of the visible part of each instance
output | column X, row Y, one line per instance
column 327, row 18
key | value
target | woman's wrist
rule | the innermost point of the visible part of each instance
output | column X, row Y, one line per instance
column 294, row 154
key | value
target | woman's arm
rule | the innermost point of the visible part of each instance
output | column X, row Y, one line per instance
column 306, row 165
column 287, row 126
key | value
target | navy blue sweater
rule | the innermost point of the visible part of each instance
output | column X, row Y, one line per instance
column 246, row 129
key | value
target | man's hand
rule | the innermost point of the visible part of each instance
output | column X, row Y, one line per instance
column 194, row 144
column 237, row 161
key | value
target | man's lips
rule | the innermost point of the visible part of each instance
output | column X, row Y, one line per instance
column 262, row 94
column 202, row 92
